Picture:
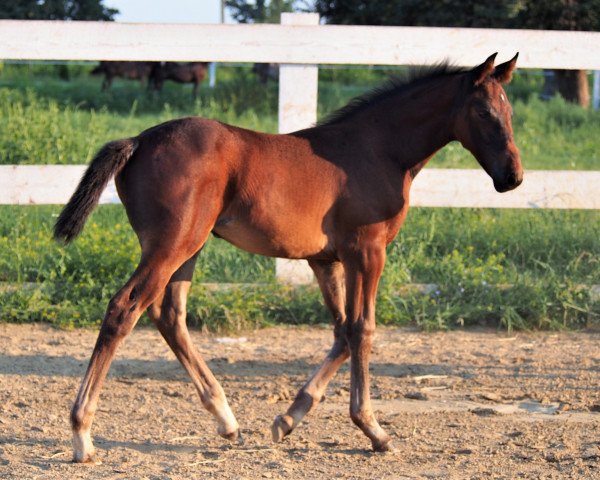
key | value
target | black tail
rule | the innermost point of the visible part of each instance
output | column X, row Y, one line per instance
column 109, row 161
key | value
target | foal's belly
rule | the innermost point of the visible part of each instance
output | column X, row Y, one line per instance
column 285, row 239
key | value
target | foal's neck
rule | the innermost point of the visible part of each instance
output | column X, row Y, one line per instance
column 416, row 123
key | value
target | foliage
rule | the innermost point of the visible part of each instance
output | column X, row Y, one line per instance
column 448, row 13
column 73, row 119
column 551, row 14
column 56, row 10
column 506, row 268
column 561, row 15
column 260, row 11
column 511, row 269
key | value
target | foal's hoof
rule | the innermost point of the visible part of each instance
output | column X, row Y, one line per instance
column 87, row 458
column 384, row 446
column 282, row 426
column 236, row 435
column 83, row 449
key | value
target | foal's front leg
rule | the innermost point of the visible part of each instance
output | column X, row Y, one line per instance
column 330, row 276
column 363, row 270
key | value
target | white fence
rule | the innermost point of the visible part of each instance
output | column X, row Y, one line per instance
column 299, row 45
column 307, row 43
column 433, row 187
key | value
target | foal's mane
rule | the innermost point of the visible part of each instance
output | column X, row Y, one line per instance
column 415, row 77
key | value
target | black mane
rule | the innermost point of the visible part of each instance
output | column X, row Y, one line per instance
column 416, row 76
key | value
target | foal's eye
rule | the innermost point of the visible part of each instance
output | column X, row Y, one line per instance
column 484, row 113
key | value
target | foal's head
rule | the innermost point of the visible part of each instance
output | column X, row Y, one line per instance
column 483, row 123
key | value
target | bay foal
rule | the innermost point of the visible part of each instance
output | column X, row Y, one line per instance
column 335, row 194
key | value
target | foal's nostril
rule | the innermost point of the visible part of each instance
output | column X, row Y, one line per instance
column 511, row 179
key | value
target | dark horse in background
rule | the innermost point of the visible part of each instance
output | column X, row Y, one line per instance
column 141, row 71
column 155, row 73
column 335, row 194
column 189, row 72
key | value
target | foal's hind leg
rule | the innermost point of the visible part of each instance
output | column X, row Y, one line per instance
column 168, row 313
column 123, row 311
column 330, row 276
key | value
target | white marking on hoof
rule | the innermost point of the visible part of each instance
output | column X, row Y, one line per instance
column 229, row 427
column 83, row 448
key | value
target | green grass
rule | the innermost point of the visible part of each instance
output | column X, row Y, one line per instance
column 517, row 269
column 513, row 269
column 44, row 130
column 48, row 120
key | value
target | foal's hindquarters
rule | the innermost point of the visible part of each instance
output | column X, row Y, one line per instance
column 172, row 218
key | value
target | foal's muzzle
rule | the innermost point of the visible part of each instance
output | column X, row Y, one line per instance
column 511, row 181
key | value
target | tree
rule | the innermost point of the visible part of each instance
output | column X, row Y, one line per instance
column 19, row 9
column 56, row 10
column 448, row 13
column 564, row 15
column 536, row 14
column 260, row 11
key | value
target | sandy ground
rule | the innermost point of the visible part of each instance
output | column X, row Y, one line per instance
column 460, row 405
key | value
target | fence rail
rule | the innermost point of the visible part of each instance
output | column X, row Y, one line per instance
column 433, row 187
column 304, row 43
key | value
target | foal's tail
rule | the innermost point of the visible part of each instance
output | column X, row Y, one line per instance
column 109, row 161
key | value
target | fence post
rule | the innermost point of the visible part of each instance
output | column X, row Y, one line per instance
column 298, row 85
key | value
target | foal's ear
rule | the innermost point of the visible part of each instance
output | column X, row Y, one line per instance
column 503, row 72
column 483, row 71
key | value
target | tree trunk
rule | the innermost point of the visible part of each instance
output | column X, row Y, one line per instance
column 573, row 86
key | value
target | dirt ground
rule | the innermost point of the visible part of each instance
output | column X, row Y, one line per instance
column 460, row 405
